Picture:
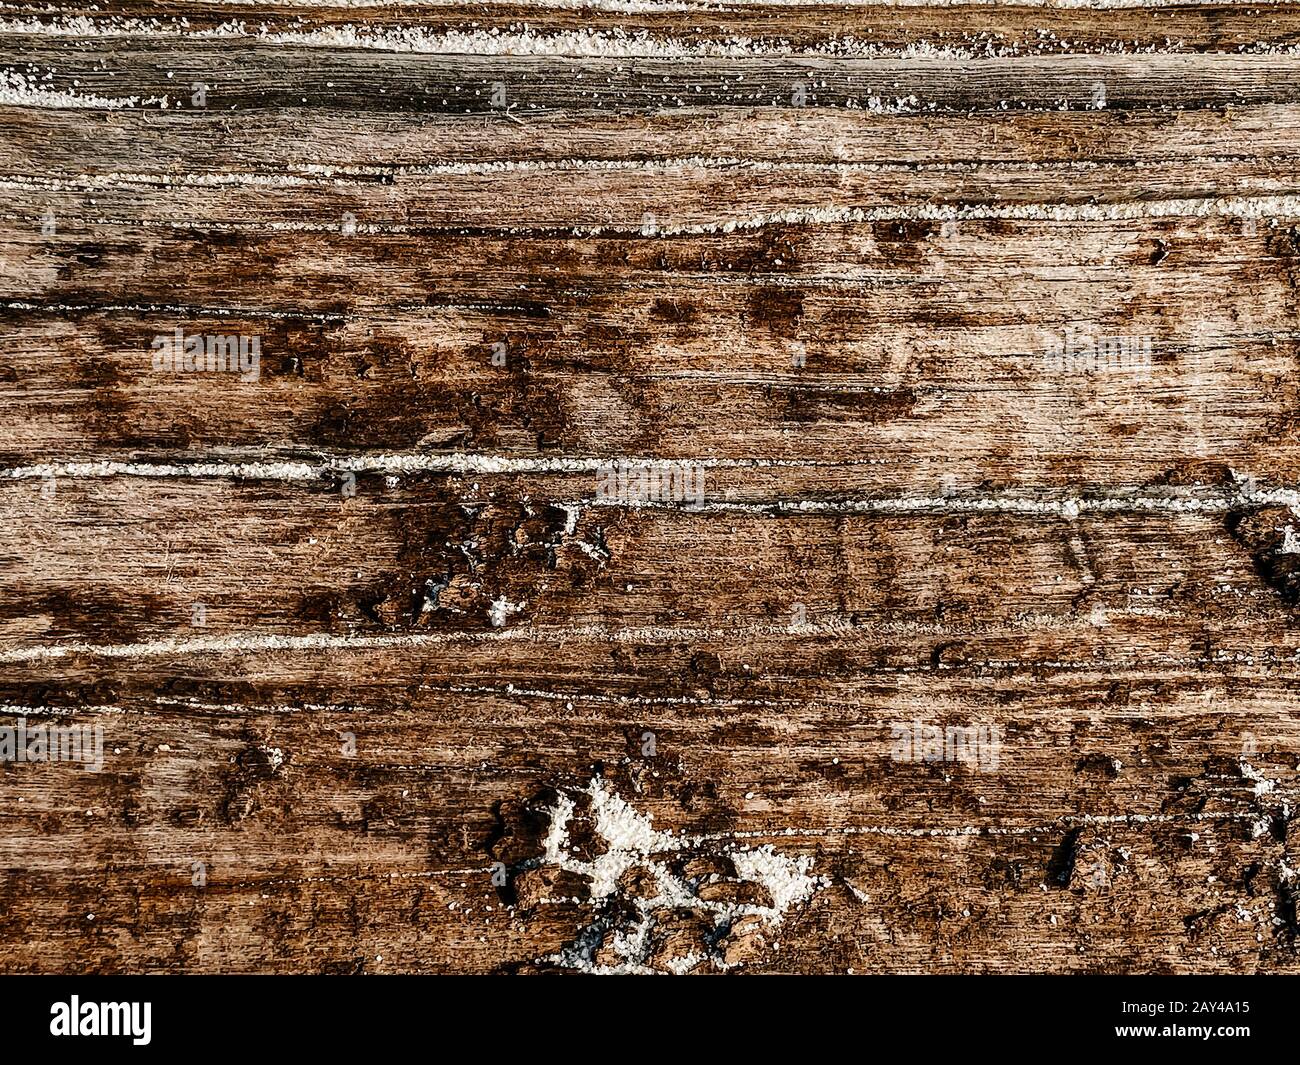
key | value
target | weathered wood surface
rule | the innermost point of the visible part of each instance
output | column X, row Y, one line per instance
column 363, row 627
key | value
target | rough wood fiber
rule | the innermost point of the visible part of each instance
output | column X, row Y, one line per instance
column 387, row 683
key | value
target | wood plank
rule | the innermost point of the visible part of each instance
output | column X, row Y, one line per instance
column 446, row 558
column 1141, row 788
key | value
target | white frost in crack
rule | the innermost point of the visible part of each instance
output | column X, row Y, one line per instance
column 630, row 836
column 20, row 90
column 500, row 610
column 786, row 879
column 572, row 513
column 1262, row 784
column 615, row 43
column 624, row 931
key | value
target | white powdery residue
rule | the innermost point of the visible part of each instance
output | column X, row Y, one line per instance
column 271, row 471
column 109, row 179
column 571, row 515
column 309, row 175
column 1180, row 501
column 266, row 643
column 204, row 310
column 1249, row 493
column 530, row 166
column 265, row 708
column 557, row 832
column 62, row 711
column 238, row 644
column 631, row 838
column 1248, row 207
column 1257, row 207
column 596, row 697
column 1264, row 48
column 591, row 44
column 623, row 828
column 612, row 44
column 669, row 164
column 1290, row 541
column 685, row 964
column 500, row 610
column 856, row 891
column 20, row 91
column 409, row 462
column 785, row 879
column 1263, row 785
column 632, row 842
column 588, row 44
column 1184, row 500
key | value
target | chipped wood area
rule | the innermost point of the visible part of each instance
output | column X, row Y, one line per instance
column 958, row 633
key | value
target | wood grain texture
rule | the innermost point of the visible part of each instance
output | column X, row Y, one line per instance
column 389, row 682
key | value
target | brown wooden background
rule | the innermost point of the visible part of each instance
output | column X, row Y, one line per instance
column 820, row 248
